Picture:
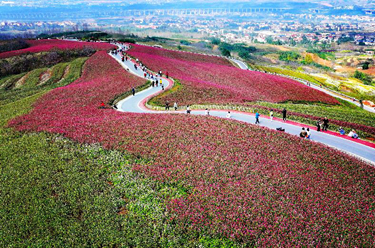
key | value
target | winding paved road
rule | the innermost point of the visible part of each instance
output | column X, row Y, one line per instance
column 136, row 104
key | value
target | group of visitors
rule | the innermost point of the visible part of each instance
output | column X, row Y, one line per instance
column 305, row 133
column 167, row 105
column 322, row 125
column 156, row 80
column 283, row 112
column 352, row 134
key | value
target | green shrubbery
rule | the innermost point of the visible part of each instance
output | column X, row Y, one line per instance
column 30, row 61
column 323, row 55
column 242, row 50
column 8, row 92
column 366, row 79
column 289, row 56
column 11, row 45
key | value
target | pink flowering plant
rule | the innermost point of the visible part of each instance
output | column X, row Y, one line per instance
column 37, row 46
column 250, row 184
column 210, row 79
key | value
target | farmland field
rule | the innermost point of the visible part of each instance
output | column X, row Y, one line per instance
column 237, row 184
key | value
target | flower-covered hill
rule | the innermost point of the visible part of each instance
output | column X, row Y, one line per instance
column 37, row 46
column 209, row 79
column 253, row 185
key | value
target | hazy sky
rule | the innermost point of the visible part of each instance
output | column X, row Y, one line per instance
column 324, row 2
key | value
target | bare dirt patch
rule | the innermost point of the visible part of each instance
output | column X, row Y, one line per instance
column 66, row 72
column 21, row 81
column 44, row 77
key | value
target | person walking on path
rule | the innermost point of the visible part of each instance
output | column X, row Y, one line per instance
column 284, row 114
column 133, row 91
column 188, row 111
column 303, row 133
column 175, row 106
column 167, row 105
column 228, row 115
column 207, row 111
column 271, row 115
column 325, row 124
column 257, row 118
column 318, row 124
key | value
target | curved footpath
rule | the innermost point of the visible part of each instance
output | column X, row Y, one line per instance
column 136, row 104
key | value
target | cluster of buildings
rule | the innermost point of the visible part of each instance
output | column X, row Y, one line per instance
column 258, row 27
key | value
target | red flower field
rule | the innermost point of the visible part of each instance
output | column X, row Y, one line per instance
column 250, row 184
column 210, row 79
column 37, row 46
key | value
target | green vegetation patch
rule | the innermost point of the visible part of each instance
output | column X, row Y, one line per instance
column 289, row 56
column 10, row 91
column 322, row 54
column 366, row 79
column 157, row 100
column 10, row 45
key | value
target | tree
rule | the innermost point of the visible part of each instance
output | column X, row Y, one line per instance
column 269, row 40
column 215, row 41
column 305, row 41
column 244, row 55
column 293, row 42
column 366, row 79
column 289, row 56
column 365, row 65
column 308, row 59
column 225, row 52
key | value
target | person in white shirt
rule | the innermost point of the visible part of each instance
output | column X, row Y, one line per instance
column 308, row 133
column 207, row 111
column 228, row 115
column 353, row 134
column 271, row 115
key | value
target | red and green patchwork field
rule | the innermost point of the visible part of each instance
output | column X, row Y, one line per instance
column 37, row 46
column 209, row 79
column 252, row 185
